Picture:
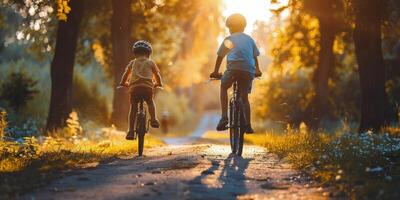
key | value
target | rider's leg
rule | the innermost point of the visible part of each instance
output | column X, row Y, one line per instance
column 224, row 101
column 132, row 116
column 152, row 110
column 246, row 110
column 245, row 84
column 246, row 107
column 131, row 120
column 226, row 83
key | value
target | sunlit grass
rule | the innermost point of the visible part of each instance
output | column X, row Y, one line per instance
column 215, row 135
column 16, row 157
column 32, row 163
column 361, row 165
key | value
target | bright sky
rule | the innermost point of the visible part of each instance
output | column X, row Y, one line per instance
column 253, row 10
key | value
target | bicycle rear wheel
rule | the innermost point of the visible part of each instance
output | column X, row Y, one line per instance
column 240, row 132
column 140, row 130
column 236, row 126
column 232, row 127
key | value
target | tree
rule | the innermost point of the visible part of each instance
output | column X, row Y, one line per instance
column 121, row 24
column 368, row 40
column 329, row 19
column 62, row 67
column 308, row 41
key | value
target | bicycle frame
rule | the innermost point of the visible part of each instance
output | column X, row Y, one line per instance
column 142, row 124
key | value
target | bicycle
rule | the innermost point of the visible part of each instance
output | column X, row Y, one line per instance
column 236, row 120
column 142, row 124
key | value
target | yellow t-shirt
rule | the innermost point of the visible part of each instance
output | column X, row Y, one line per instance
column 141, row 72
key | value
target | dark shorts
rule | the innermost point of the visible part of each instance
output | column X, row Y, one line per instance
column 244, row 79
column 138, row 93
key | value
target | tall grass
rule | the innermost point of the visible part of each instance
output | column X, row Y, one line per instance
column 363, row 166
column 32, row 161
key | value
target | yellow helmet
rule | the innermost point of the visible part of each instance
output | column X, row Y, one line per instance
column 236, row 21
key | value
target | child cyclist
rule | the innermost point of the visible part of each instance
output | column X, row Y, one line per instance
column 138, row 76
column 242, row 66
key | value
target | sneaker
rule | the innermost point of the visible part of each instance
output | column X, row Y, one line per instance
column 155, row 123
column 222, row 124
column 248, row 129
column 130, row 135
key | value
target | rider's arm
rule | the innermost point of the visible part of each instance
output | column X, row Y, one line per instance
column 158, row 79
column 126, row 74
column 256, row 53
column 224, row 49
column 218, row 63
column 157, row 75
column 258, row 71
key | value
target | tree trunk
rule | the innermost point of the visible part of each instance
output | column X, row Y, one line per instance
column 121, row 24
column 367, row 40
column 62, row 67
column 320, row 104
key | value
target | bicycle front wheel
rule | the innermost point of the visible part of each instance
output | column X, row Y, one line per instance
column 141, row 130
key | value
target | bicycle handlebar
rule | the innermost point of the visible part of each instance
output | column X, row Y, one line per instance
column 121, row 86
column 217, row 79
column 125, row 86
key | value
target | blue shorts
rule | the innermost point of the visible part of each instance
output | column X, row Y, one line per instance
column 244, row 79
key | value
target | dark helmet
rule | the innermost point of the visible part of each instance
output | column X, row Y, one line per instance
column 142, row 46
column 236, row 21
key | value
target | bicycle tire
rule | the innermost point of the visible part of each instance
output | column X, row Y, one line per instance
column 236, row 112
column 241, row 132
column 231, row 128
column 141, row 129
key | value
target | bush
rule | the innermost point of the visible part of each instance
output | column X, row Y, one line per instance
column 88, row 102
column 282, row 99
column 18, row 89
column 362, row 165
column 177, row 106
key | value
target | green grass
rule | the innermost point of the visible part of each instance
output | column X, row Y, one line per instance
column 33, row 163
column 364, row 166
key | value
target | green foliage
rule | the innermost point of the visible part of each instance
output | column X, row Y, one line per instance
column 282, row 99
column 73, row 130
column 18, row 89
column 177, row 106
column 32, row 163
column 88, row 101
column 361, row 165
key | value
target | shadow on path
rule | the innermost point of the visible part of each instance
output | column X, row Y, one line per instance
column 228, row 184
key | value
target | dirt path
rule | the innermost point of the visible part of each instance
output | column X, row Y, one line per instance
column 197, row 171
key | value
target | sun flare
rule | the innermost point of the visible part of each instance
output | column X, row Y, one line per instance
column 253, row 10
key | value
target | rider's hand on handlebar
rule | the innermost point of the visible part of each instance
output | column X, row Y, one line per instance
column 216, row 75
column 122, row 85
column 158, row 85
